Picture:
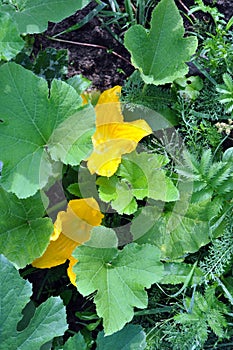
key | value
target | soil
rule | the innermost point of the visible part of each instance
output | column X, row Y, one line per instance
column 108, row 66
column 103, row 68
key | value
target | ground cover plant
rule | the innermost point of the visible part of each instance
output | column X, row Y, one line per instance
column 116, row 203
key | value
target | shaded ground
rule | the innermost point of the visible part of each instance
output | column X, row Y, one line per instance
column 102, row 67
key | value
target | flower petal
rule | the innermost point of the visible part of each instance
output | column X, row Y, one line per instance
column 56, row 253
column 110, row 95
column 108, row 113
column 113, row 140
column 70, row 272
column 80, row 217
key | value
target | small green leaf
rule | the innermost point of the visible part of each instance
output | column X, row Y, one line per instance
column 51, row 63
column 125, row 201
column 107, row 188
column 139, row 176
column 147, row 179
column 48, row 321
column 10, row 41
column 76, row 342
column 161, row 53
column 129, row 338
column 79, row 83
column 119, row 278
column 24, row 234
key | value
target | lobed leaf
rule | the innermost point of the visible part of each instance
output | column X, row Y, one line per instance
column 36, row 127
column 48, row 321
column 32, row 16
column 160, row 53
column 130, row 337
column 10, row 41
column 118, row 277
column 175, row 232
column 24, row 234
column 140, row 175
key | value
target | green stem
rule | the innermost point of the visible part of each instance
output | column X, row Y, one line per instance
column 56, row 207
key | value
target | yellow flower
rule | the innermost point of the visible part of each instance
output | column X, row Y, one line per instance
column 71, row 229
column 113, row 137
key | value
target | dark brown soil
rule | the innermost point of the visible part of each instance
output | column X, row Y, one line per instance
column 102, row 66
column 225, row 7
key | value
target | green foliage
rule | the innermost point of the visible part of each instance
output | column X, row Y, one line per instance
column 219, row 256
column 10, row 41
column 51, row 64
column 140, row 175
column 32, row 16
column 119, row 277
column 207, row 105
column 135, row 92
column 197, row 122
column 40, row 123
column 170, row 216
column 189, row 87
column 212, row 10
column 197, row 320
column 24, row 233
column 79, row 83
column 155, row 53
column 76, row 342
column 210, row 179
column 178, row 272
column 48, row 321
column 226, row 93
column 178, row 231
column 130, row 337
column 215, row 50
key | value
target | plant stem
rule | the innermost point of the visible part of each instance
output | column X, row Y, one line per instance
column 56, row 207
column 186, row 8
column 90, row 45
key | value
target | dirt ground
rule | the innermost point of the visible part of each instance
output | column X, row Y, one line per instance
column 103, row 68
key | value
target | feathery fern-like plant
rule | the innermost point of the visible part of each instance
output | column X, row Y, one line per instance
column 202, row 313
column 210, row 179
column 220, row 254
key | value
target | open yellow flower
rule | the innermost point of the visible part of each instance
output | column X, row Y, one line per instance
column 113, row 137
column 71, row 229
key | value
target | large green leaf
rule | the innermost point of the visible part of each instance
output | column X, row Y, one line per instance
column 139, row 176
column 10, row 41
column 175, row 232
column 36, row 127
column 129, row 338
column 24, row 234
column 32, row 16
column 161, row 53
column 48, row 321
column 118, row 277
